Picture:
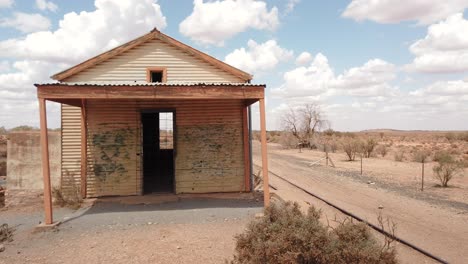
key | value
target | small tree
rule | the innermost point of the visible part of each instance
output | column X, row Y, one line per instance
column 303, row 122
column 351, row 147
column 368, row 147
column 446, row 169
column 382, row 150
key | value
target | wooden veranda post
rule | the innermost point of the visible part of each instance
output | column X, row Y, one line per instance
column 84, row 140
column 45, row 162
column 245, row 124
column 263, row 138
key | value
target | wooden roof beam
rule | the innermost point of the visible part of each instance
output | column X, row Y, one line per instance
column 60, row 92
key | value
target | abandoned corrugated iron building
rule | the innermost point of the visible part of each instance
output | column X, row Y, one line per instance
column 152, row 115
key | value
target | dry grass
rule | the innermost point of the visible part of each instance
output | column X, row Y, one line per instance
column 70, row 198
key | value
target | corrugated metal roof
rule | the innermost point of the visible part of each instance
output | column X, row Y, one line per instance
column 148, row 84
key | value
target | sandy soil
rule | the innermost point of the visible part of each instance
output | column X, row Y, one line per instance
column 403, row 176
column 437, row 225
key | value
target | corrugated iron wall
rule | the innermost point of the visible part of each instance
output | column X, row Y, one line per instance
column 131, row 66
column 71, row 148
column 208, row 139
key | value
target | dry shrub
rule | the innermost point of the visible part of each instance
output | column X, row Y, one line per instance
column 286, row 235
column 447, row 168
column 2, row 197
column 421, row 156
column 368, row 147
column 382, row 150
column 71, row 200
column 67, row 198
column 463, row 136
column 351, row 147
column 288, row 141
column 399, row 155
column 3, row 168
column 6, row 233
column 333, row 146
column 464, row 161
column 450, row 136
column 439, row 155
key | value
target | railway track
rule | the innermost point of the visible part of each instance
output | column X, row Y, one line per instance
column 352, row 215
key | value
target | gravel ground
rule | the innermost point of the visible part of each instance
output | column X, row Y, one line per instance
column 200, row 230
column 437, row 225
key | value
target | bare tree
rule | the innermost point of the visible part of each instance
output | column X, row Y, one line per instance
column 303, row 122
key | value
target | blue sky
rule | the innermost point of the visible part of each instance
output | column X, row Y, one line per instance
column 368, row 64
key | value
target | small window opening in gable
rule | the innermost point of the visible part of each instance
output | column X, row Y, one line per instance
column 156, row 75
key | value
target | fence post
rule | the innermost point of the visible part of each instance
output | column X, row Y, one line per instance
column 422, row 179
column 361, row 164
column 326, row 157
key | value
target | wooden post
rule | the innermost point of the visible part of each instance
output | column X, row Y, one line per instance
column 45, row 162
column 84, row 149
column 326, row 157
column 422, row 179
column 361, row 164
column 263, row 138
column 246, row 149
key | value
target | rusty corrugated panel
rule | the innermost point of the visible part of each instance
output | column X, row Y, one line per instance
column 209, row 146
column 71, row 148
column 131, row 66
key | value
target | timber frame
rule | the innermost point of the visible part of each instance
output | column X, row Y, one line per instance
column 78, row 95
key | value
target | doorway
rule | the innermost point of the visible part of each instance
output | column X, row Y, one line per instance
column 158, row 151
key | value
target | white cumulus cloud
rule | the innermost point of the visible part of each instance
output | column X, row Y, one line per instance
column 213, row 22
column 304, row 58
column 129, row 19
column 395, row 11
column 444, row 49
column 370, row 80
column 312, row 81
column 26, row 23
column 318, row 80
column 258, row 57
column 46, row 5
column 6, row 3
column 290, row 5
column 37, row 55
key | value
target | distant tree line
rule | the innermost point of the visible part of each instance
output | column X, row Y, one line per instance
column 4, row 131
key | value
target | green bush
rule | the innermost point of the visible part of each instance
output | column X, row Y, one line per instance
column 286, row 235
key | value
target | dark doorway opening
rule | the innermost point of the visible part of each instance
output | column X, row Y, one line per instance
column 158, row 151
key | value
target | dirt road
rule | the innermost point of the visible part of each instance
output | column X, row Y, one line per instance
column 437, row 228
